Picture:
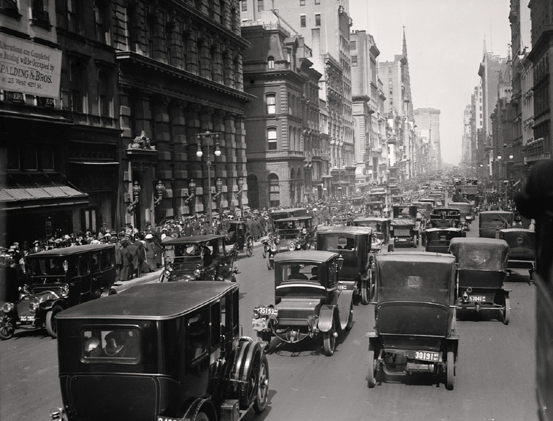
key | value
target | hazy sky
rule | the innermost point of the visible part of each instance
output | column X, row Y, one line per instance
column 445, row 41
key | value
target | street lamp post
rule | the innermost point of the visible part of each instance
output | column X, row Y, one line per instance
column 160, row 188
column 206, row 138
column 239, row 195
column 135, row 197
column 191, row 195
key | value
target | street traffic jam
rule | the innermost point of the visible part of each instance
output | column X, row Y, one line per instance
column 177, row 339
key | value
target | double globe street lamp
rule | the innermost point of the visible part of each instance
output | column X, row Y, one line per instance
column 206, row 138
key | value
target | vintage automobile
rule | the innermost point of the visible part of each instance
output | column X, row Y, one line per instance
column 310, row 300
column 11, row 279
column 437, row 240
column 357, row 204
column 170, row 351
column 378, row 225
column 490, row 222
column 415, row 318
column 445, row 218
column 354, row 244
column 198, row 258
column 277, row 214
column 481, row 272
column 522, row 252
column 404, row 227
column 235, row 232
column 466, row 211
column 424, row 208
column 294, row 233
column 58, row 279
column 375, row 208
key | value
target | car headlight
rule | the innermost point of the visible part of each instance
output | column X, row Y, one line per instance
column 8, row 307
column 273, row 248
column 304, row 231
column 65, row 290
column 33, row 306
column 292, row 246
column 277, row 240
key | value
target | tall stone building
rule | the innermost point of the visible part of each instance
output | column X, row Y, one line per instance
column 541, row 56
column 428, row 119
column 285, row 160
column 115, row 138
column 466, row 146
column 325, row 27
column 368, row 103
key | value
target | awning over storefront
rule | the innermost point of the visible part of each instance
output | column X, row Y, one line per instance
column 42, row 197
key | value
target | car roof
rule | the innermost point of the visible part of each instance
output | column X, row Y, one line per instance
column 370, row 219
column 66, row 251
column 340, row 229
column 443, row 229
column 192, row 239
column 495, row 211
column 313, row 256
column 507, row 230
column 157, row 301
column 416, row 256
column 479, row 241
column 295, row 218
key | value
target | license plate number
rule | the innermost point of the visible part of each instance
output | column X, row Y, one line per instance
column 27, row 318
column 267, row 311
column 477, row 298
column 426, row 356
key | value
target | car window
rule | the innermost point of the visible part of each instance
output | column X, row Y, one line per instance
column 197, row 331
column 106, row 259
column 95, row 258
column 84, row 265
column 120, row 346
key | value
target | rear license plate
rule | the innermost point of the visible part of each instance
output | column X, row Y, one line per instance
column 427, row 356
column 267, row 311
column 477, row 298
column 27, row 318
column 443, row 238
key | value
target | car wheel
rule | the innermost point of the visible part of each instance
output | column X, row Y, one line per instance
column 349, row 323
column 329, row 341
column 262, row 398
column 201, row 416
column 371, row 376
column 164, row 276
column 506, row 314
column 7, row 327
column 51, row 324
column 250, row 374
column 364, row 294
column 450, row 369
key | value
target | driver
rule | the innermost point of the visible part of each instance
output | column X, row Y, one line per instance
column 296, row 274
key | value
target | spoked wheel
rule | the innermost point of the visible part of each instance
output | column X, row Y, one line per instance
column 164, row 276
column 506, row 313
column 7, row 327
column 249, row 247
column 329, row 340
column 51, row 324
column 450, row 368
column 262, row 398
column 371, row 372
column 364, row 295
column 201, row 416
column 349, row 324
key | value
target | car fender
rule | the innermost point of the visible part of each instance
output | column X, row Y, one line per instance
column 200, row 405
column 344, row 306
column 326, row 315
column 240, row 358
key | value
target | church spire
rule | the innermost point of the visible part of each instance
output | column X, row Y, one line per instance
column 404, row 51
column 485, row 50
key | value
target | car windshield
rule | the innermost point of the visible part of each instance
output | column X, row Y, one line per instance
column 299, row 272
column 120, row 345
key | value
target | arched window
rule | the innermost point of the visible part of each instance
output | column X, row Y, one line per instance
column 274, row 190
column 271, row 62
column 272, row 138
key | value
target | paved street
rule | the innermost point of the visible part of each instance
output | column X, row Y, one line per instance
column 495, row 371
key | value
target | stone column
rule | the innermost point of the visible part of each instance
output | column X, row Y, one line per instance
column 180, row 158
column 240, row 137
column 193, row 127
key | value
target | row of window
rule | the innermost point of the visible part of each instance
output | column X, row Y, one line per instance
column 303, row 20
column 261, row 4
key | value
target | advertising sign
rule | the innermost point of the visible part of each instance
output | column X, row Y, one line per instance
column 29, row 67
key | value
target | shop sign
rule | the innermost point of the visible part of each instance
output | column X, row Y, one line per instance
column 28, row 67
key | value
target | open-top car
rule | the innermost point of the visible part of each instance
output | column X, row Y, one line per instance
column 198, row 258
column 170, row 351
column 354, row 244
column 236, row 232
column 58, row 279
column 490, row 222
column 445, row 218
column 481, row 271
column 466, row 211
column 415, row 317
column 289, row 234
column 310, row 300
column 522, row 252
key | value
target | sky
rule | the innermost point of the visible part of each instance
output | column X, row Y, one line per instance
column 445, row 44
